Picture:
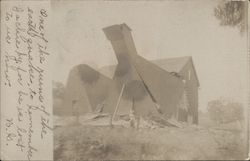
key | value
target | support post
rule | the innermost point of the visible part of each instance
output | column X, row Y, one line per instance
column 117, row 104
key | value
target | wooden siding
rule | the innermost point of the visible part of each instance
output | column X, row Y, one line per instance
column 192, row 89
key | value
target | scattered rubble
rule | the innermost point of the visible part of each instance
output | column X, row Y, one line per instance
column 101, row 119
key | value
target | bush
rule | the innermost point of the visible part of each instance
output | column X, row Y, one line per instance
column 222, row 111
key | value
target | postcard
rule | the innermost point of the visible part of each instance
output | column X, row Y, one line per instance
column 124, row 80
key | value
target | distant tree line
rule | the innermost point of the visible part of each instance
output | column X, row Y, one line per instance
column 58, row 91
column 222, row 111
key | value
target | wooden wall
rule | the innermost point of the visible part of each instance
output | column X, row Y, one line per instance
column 192, row 86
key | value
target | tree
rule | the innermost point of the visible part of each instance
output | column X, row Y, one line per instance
column 215, row 110
column 222, row 111
column 58, row 90
column 232, row 13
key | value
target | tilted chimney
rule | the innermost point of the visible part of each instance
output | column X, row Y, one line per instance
column 121, row 40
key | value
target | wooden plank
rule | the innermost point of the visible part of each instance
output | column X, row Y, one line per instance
column 118, row 102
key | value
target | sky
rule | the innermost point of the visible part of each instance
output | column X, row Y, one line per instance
column 161, row 29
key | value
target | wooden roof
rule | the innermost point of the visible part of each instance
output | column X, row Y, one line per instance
column 169, row 64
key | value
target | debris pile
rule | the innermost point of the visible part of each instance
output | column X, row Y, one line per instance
column 102, row 119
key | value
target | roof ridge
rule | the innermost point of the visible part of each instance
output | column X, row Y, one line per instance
column 110, row 65
column 180, row 57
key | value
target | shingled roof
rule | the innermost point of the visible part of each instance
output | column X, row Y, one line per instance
column 172, row 64
column 168, row 64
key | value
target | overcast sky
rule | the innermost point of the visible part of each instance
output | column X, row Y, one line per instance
column 161, row 29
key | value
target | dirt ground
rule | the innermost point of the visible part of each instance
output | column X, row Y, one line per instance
column 84, row 142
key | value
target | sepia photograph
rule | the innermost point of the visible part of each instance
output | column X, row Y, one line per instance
column 150, row 80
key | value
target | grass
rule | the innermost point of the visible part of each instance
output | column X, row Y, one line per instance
column 77, row 143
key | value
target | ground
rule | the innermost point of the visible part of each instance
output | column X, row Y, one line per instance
column 88, row 142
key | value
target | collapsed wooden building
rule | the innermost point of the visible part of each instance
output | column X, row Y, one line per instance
column 167, row 88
